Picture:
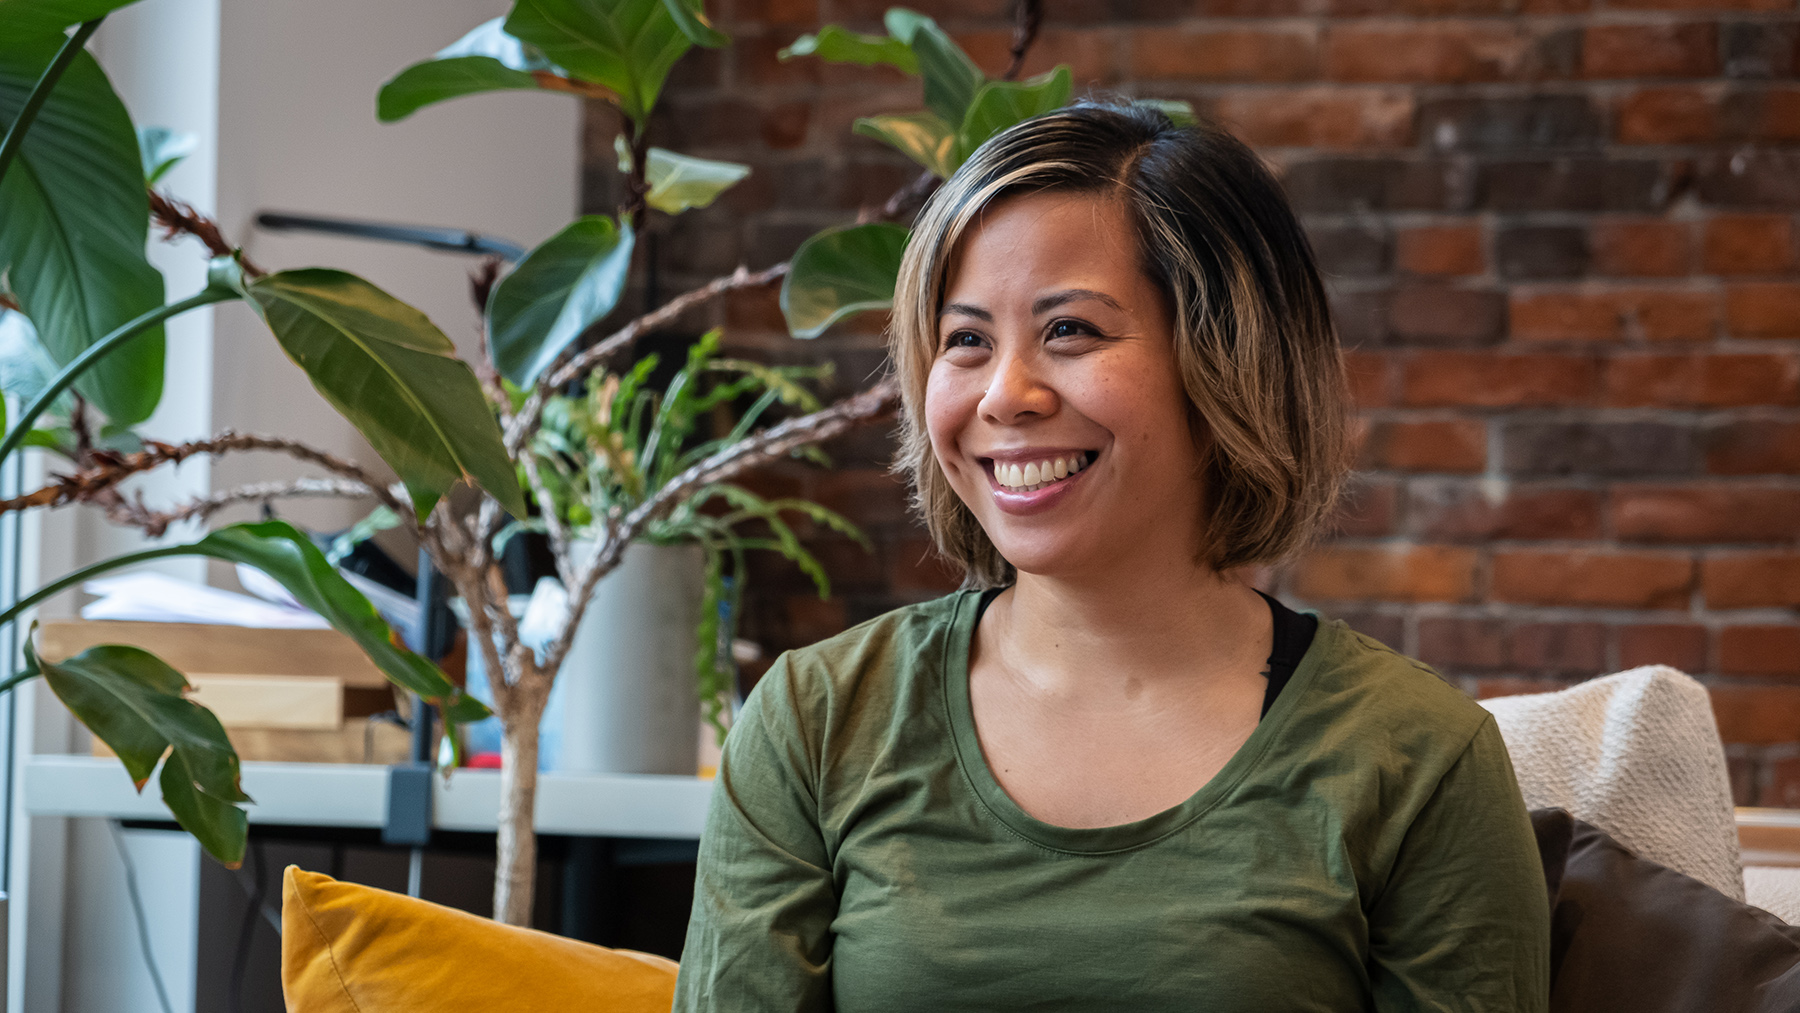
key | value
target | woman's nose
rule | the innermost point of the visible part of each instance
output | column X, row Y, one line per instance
column 1016, row 390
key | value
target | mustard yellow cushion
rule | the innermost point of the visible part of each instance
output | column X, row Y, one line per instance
column 355, row 949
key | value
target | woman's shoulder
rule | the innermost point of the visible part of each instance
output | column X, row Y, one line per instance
column 871, row 665
column 1362, row 682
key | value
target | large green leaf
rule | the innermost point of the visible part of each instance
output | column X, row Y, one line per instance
column 625, row 45
column 951, row 78
column 74, row 226
column 678, row 182
column 838, row 45
column 486, row 59
column 135, row 703
column 571, row 281
column 395, row 377
column 292, row 560
column 839, row 272
column 923, row 137
column 1001, row 104
column 163, row 149
column 33, row 19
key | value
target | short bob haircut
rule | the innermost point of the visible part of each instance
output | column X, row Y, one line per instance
column 1253, row 336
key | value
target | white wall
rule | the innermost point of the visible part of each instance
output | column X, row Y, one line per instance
column 282, row 98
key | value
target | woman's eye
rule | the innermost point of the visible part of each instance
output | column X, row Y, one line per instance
column 963, row 339
column 1069, row 329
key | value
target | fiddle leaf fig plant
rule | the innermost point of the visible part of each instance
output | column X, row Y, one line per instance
column 549, row 427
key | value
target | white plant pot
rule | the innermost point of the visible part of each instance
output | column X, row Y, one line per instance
column 629, row 704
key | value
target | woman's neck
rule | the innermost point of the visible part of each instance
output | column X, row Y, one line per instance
column 1127, row 628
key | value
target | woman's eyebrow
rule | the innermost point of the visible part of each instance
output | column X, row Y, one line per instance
column 966, row 310
column 1048, row 302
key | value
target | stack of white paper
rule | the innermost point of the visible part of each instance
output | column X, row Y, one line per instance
column 148, row 596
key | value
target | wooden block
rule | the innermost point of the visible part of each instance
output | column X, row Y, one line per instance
column 271, row 701
column 194, row 647
column 356, row 742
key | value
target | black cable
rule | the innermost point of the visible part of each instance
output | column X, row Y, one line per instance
column 137, row 910
column 430, row 237
column 247, row 931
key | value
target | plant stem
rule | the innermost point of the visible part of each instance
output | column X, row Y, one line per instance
column 14, row 682
column 95, row 352
column 71, row 579
column 515, row 845
column 40, row 92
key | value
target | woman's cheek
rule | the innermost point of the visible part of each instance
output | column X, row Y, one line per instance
column 949, row 407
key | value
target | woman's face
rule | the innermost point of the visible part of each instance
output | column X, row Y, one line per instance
column 1053, row 403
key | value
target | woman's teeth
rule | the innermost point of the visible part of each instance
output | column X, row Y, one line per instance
column 1038, row 474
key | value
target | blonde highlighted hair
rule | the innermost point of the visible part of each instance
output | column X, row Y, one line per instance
column 1253, row 336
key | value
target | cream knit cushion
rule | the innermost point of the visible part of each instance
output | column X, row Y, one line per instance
column 1638, row 755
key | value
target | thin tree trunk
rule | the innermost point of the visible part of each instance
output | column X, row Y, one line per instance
column 515, row 872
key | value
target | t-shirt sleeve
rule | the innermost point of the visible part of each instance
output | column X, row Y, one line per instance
column 1464, row 921
column 759, row 937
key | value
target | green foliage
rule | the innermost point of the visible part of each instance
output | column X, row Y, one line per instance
column 41, row 19
column 839, row 272
column 75, row 224
column 1001, row 104
column 135, row 704
column 605, row 453
column 378, row 520
column 923, row 137
column 951, row 78
column 1179, row 112
column 626, row 46
column 163, row 149
column 569, row 283
column 838, row 45
column 395, row 377
column 678, row 182
column 690, row 17
column 486, row 59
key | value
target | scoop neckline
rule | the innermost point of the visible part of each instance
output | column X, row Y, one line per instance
column 1121, row 836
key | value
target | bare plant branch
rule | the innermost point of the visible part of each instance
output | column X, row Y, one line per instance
column 553, row 525
column 525, row 422
column 179, row 218
column 133, row 513
column 105, row 469
column 770, row 445
column 1028, row 16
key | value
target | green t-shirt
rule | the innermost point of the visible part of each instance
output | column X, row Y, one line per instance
column 1365, row 849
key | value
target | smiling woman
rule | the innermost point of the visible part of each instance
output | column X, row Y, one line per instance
column 1109, row 774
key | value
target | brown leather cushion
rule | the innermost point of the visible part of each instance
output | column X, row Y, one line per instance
column 1630, row 935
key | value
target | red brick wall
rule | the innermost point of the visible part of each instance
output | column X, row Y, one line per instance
column 1562, row 240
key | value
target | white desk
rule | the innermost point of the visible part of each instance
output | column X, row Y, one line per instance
column 355, row 795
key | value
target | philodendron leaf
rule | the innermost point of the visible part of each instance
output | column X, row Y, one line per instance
column 838, row 45
column 395, row 377
column 25, row 368
column 678, row 182
column 486, row 59
column 923, row 137
column 74, row 219
column 627, row 46
column 569, row 282
column 1180, row 113
column 135, row 703
column 162, row 149
column 951, row 78
column 50, row 18
column 690, row 17
column 839, row 272
column 1001, row 104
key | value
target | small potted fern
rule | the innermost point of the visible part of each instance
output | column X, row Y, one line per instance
column 653, row 651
